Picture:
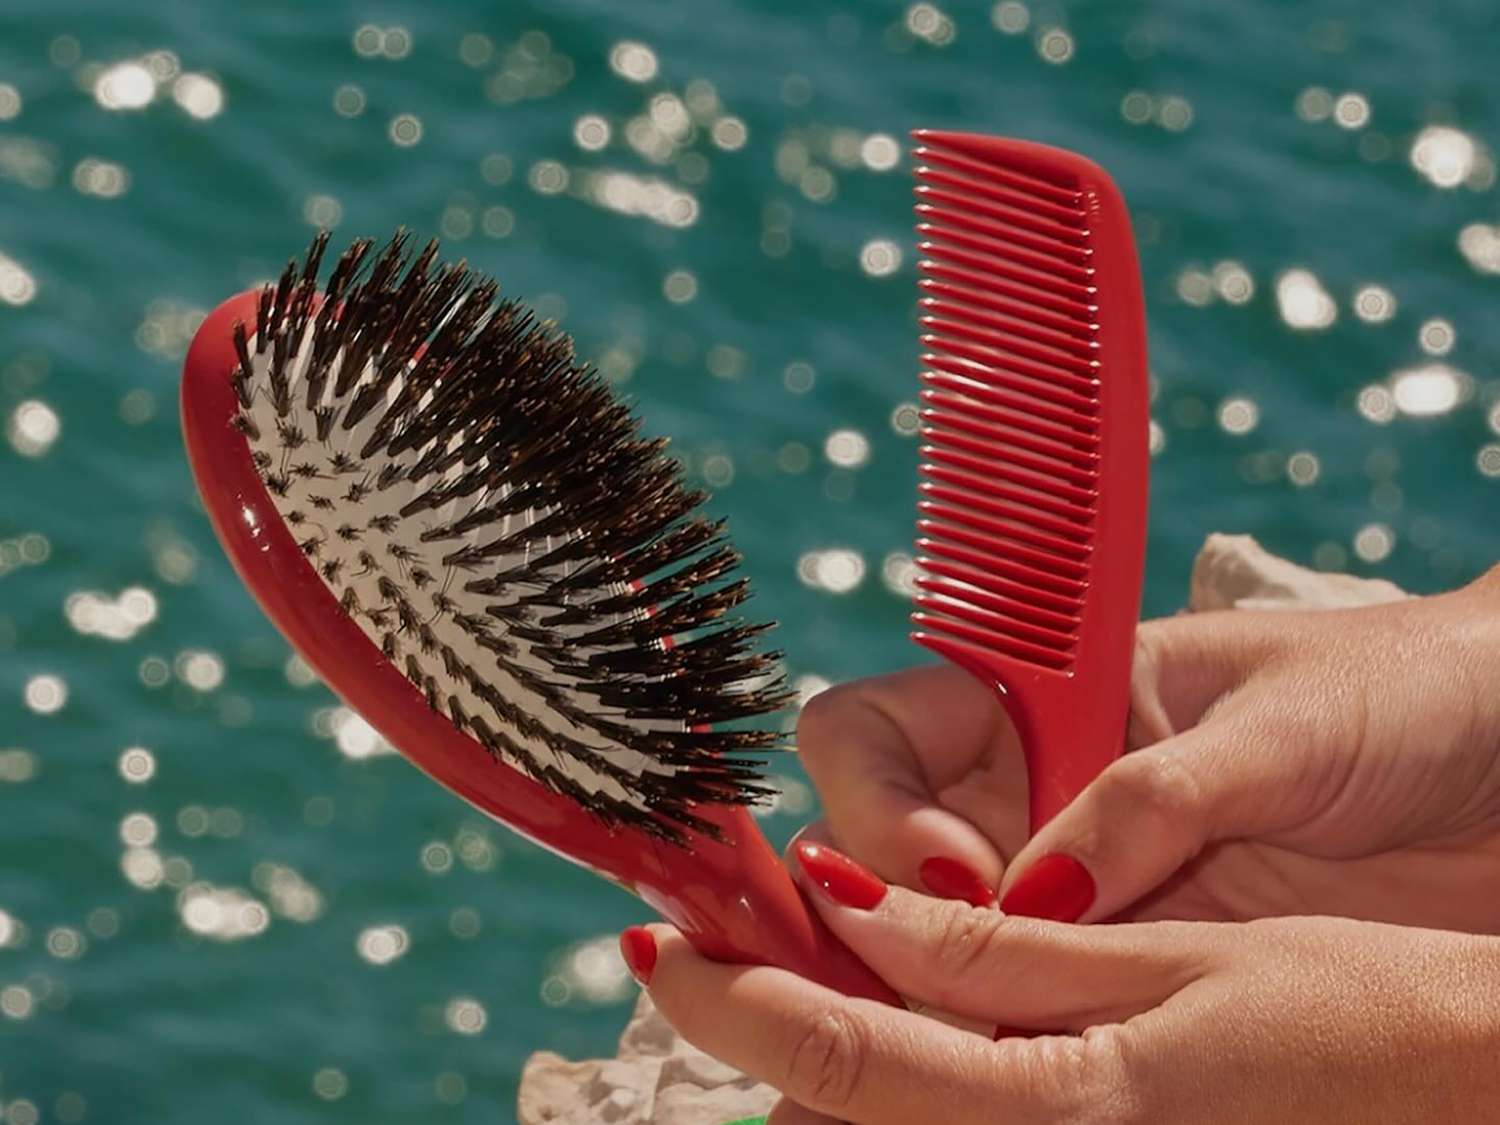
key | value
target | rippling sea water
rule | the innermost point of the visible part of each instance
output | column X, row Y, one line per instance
column 219, row 895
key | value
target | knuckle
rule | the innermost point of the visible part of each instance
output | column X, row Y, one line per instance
column 821, row 716
column 1160, row 785
column 965, row 939
column 1081, row 1079
column 1109, row 1091
column 827, row 1061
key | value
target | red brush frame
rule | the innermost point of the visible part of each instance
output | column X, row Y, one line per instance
column 733, row 899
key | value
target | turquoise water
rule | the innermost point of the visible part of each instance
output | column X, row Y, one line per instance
column 217, row 900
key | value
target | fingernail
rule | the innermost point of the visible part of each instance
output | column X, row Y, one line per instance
column 952, row 878
column 1056, row 887
column 638, row 948
column 846, row 882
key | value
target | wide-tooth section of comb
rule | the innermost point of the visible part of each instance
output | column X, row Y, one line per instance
column 1010, row 406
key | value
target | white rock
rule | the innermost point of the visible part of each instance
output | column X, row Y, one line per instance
column 658, row 1079
column 1236, row 572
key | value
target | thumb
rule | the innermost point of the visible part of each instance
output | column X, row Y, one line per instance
column 1152, row 811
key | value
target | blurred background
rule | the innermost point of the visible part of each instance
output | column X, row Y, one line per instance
column 220, row 893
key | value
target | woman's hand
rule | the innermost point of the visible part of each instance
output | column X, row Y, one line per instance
column 1339, row 762
column 1285, row 1021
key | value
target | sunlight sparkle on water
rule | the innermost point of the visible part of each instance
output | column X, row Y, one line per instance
column 1479, row 243
column 199, row 669
column 1433, row 388
column 836, row 570
column 633, row 61
column 1436, row 336
column 1304, row 303
column 380, row 945
column 1376, row 404
column 465, row 1015
column 589, row 972
column 125, row 85
column 931, row 24
column 880, row 257
column 94, row 613
column 330, row 1083
column 222, row 913
column 291, row 896
column 46, row 694
column 102, row 178
column 1238, row 416
column 137, row 765
column 1374, row 542
column 1444, row 155
column 17, row 286
column 1374, row 304
column 849, row 449
column 33, row 427
column 356, row 738
column 199, row 95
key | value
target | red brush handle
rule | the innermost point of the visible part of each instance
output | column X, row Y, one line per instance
column 732, row 898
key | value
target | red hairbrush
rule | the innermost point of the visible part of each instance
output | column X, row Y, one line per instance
column 1035, row 462
column 461, row 529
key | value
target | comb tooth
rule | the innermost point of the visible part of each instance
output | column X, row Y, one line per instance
column 941, row 408
column 1017, row 357
column 1008, row 389
column 948, row 232
column 941, row 596
column 1069, row 215
column 1003, row 535
column 950, row 151
column 1015, row 486
column 997, row 579
column 1018, row 523
column 997, row 642
column 1014, row 325
column 1004, row 446
column 1003, row 348
column 1020, row 374
column 999, row 554
column 1004, row 225
column 986, row 490
column 1061, row 239
column 1003, row 597
column 1038, row 624
column 998, row 295
column 999, row 406
column 1007, row 466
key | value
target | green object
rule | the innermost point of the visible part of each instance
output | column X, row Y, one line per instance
column 747, row 1121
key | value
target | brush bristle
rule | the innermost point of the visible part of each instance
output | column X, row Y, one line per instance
column 485, row 508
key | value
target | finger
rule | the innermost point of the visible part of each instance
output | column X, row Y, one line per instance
column 788, row 1112
column 850, row 1059
column 880, row 752
column 1183, row 665
column 1003, row 968
column 1240, row 774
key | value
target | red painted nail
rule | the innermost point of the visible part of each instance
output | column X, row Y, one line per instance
column 952, row 878
column 1056, row 887
column 638, row 948
column 846, row 882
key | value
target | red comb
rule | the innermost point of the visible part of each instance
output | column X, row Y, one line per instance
column 1033, row 494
